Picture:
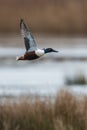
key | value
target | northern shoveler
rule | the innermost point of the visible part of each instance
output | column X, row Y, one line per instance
column 32, row 52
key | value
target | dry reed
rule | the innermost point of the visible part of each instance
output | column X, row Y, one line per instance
column 66, row 112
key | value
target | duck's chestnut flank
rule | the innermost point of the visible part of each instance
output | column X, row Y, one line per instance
column 30, row 56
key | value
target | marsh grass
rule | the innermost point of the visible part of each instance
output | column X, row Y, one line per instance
column 66, row 112
column 76, row 80
column 51, row 16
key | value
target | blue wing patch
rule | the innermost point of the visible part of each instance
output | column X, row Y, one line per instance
column 27, row 45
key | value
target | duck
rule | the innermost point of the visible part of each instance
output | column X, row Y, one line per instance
column 32, row 51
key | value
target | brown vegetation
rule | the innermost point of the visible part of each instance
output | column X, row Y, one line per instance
column 52, row 16
column 66, row 112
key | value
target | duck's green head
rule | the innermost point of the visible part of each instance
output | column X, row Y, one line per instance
column 48, row 50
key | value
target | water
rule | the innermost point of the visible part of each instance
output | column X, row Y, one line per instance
column 45, row 76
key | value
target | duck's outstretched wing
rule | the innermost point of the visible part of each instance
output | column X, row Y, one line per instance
column 30, row 43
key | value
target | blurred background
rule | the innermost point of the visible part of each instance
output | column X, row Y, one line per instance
column 48, row 16
column 61, row 24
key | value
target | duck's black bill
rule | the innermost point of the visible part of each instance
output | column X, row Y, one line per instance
column 55, row 51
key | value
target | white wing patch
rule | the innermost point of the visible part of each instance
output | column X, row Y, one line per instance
column 39, row 52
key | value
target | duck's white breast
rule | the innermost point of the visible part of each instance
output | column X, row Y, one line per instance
column 39, row 52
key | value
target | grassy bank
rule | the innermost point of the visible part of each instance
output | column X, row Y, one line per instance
column 48, row 16
column 66, row 113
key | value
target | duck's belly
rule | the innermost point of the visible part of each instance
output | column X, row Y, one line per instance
column 30, row 56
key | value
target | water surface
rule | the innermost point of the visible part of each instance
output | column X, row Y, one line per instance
column 45, row 76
